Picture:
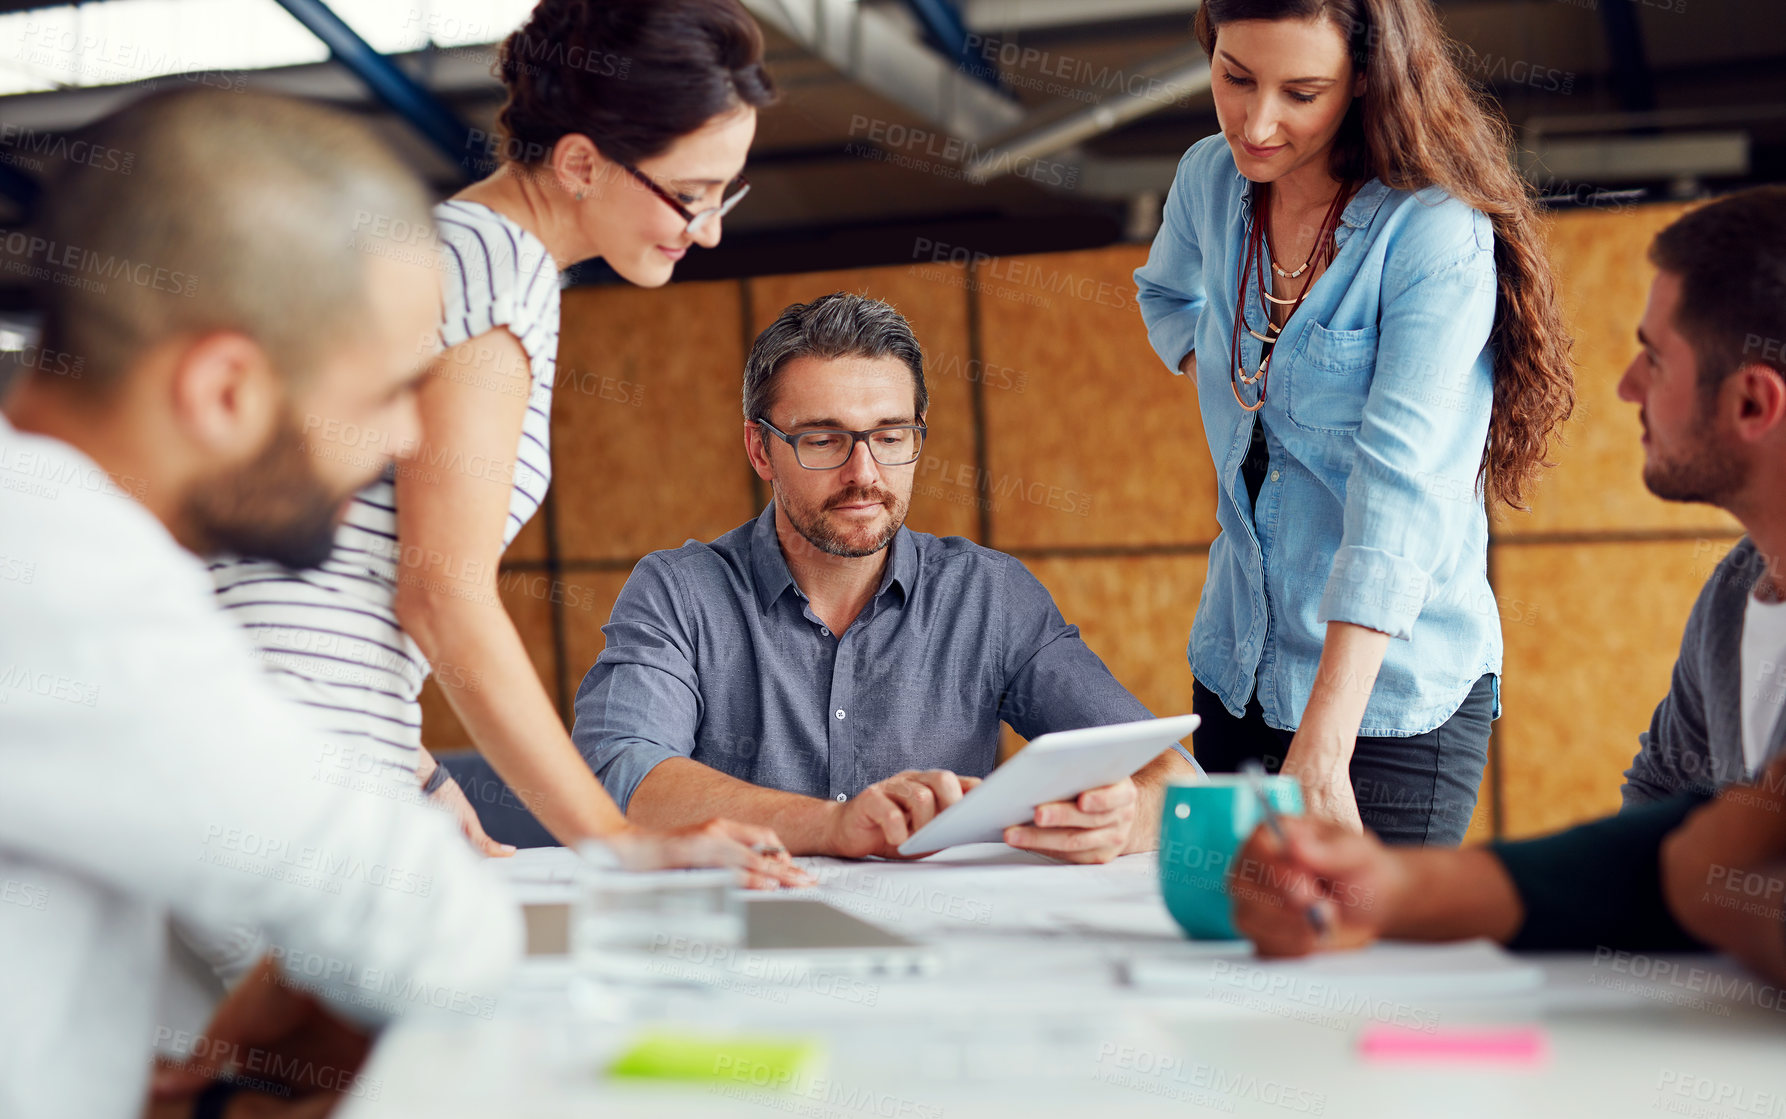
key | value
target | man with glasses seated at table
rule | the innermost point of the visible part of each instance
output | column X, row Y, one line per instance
column 825, row 670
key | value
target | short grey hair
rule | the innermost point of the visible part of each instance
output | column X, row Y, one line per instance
column 835, row 325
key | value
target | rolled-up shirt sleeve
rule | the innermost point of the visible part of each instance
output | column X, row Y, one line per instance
column 1413, row 488
column 640, row 704
column 1169, row 287
column 1053, row 679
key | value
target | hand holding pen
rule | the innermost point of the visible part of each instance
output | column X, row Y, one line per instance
column 1302, row 885
column 1255, row 776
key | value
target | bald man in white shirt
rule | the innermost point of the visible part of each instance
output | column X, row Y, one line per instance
column 222, row 302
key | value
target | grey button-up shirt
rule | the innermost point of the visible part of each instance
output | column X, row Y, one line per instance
column 714, row 654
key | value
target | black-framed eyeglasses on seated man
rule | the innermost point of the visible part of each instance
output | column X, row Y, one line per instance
column 697, row 222
column 828, row 448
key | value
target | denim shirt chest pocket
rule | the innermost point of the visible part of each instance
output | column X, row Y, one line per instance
column 1330, row 378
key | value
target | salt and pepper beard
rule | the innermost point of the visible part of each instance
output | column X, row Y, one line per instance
column 812, row 524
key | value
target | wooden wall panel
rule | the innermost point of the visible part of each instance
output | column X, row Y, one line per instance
column 595, row 593
column 1586, row 667
column 1603, row 277
column 441, row 729
column 529, row 545
column 930, row 298
column 1104, row 445
column 527, row 595
column 646, row 432
column 1482, row 823
column 1134, row 612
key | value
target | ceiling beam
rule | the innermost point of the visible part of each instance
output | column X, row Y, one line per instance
column 944, row 28
column 875, row 51
column 1007, row 16
column 406, row 97
column 1628, row 65
column 1163, row 83
column 21, row 188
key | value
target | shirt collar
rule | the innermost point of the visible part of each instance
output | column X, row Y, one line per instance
column 1365, row 204
column 769, row 568
column 902, row 565
column 1358, row 212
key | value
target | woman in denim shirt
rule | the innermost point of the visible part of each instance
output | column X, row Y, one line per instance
column 1418, row 366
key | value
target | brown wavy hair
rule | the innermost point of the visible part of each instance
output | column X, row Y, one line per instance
column 1420, row 124
column 632, row 75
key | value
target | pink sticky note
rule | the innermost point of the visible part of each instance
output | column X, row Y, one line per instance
column 1502, row 1045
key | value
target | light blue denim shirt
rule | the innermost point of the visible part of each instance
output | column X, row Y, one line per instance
column 1376, row 416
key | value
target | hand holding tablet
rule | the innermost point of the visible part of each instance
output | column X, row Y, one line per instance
column 1093, row 827
column 1054, row 767
column 876, row 820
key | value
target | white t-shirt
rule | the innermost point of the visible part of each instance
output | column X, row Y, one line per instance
column 150, row 769
column 1764, row 677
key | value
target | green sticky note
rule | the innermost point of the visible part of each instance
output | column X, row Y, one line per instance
column 756, row 1062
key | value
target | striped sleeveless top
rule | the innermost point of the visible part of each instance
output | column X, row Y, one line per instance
column 329, row 635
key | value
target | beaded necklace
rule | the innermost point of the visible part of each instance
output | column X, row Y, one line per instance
column 1258, row 251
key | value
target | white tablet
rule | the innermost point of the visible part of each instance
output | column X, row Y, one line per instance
column 1054, row 767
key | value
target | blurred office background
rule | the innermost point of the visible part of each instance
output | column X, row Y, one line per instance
column 995, row 168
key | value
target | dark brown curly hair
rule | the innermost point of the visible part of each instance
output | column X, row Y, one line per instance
column 632, row 75
column 1421, row 124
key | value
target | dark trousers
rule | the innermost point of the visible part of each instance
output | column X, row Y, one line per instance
column 1416, row 791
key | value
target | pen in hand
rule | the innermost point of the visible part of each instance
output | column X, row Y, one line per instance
column 1255, row 775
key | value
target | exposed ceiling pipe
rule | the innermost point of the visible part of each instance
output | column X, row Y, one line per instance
column 1179, row 75
column 1007, row 16
column 943, row 26
column 880, row 54
column 405, row 96
column 23, row 189
column 1630, row 78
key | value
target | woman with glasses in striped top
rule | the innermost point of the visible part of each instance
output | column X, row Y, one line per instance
column 625, row 130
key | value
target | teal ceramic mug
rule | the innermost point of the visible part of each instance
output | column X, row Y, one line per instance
column 1202, row 824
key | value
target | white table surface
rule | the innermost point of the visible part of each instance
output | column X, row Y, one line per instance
column 1030, row 1016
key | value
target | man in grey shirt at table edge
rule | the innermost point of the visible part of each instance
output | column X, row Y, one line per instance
column 825, row 670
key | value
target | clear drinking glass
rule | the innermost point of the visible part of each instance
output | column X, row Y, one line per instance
column 635, row 933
